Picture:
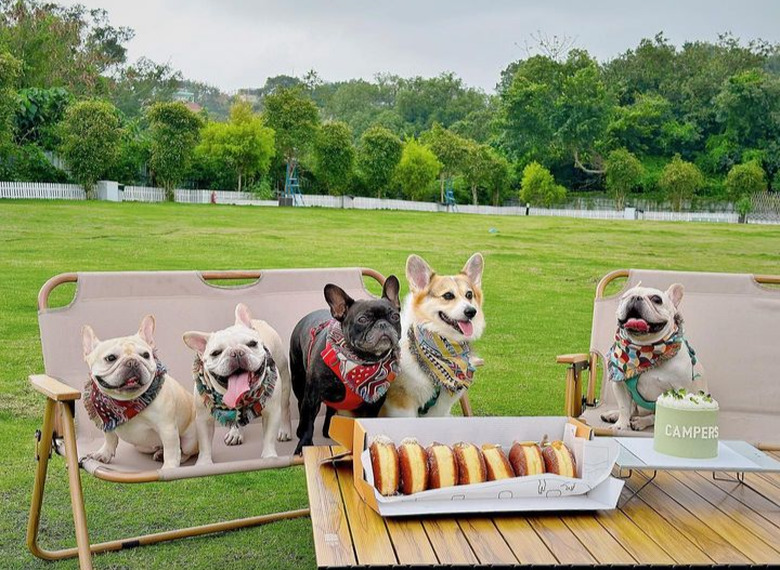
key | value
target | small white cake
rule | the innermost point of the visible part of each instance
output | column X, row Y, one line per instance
column 686, row 425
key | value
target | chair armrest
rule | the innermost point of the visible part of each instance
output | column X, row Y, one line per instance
column 573, row 358
column 53, row 388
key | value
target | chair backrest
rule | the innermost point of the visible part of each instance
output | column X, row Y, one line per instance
column 733, row 323
column 113, row 304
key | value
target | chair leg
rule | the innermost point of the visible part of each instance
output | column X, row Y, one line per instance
column 84, row 550
column 74, row 482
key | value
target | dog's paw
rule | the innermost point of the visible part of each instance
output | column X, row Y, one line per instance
column 610, row 417
column 622, row 424
column 157, row 454
column 101, row 455
column 285, row 433
column 639, row 423
column 268, row 453
column 203, row 460
column 234, row 436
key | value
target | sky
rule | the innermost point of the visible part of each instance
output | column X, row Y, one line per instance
column 239, row 43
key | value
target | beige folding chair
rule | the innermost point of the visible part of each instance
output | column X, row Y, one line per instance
column 733, row 323
column 113, row 304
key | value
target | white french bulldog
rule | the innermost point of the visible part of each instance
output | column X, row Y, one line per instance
column 647, row 318
column 244, row 374
column 131, row 397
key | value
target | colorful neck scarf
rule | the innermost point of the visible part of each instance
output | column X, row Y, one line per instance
column 365, row 381
column 628, row 361
column 261, row 388
column 446, row 363
column 109, row 413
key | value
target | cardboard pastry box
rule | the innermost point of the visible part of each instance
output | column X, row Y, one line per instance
column 593, row 489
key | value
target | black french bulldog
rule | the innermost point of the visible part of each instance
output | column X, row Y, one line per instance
column 345, row 358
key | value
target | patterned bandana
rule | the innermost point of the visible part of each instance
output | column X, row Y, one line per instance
column 261, row 387
column 366, row 381
column 445, row 362
column 109, row 413
column 628, row 361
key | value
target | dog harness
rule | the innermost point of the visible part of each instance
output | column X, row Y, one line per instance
column 109, row 413
column 628, row 361
column 365, row 381
column 446, row 363
column 261, row 388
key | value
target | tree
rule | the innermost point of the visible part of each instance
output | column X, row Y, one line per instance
column 378, row 155
column 538, row 187
column 745, row 180
column 623, row 173
column 143, row 83
column 243, row 144
column 10, row 69
column 174, row 134
column 334, row 157
column 38, row 113
column 416, row 170
column 679, row 181
column 478, row 168
column 451, row 150
column 294, row 118
column 91, row 135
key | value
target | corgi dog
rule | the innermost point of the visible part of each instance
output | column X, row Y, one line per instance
column 440, row 318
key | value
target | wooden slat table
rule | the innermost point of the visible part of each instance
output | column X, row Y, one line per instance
column 682, row 518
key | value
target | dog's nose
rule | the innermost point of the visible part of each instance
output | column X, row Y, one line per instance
column 237, row 353
column 131, row 363
column 470, row 312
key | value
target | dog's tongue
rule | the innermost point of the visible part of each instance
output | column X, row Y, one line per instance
column 637, row 325
column 466, row 327
column 238, row 385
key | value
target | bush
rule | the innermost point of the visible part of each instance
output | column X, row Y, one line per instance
column 538, row 187
column 679, row 181
column 28, row 163
column 175, row 131
column 624, row 172
column 417, row 170
column 745, row 179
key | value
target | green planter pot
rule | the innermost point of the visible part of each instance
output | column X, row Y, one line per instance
column 686, row 433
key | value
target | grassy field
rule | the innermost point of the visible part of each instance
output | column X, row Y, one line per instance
column 539, row 280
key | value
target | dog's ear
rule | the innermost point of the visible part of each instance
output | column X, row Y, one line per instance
column 146, row 330
column 243, row 316
column 473, row 268
column 197, row 341
column 391, row 289
column 88, row 340
column 338, row 301
column 675, row 293
column 418, row 272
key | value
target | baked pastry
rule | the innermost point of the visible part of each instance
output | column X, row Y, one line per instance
column 559, row 459
column 384, row 461
column 413, row 465
column 526, row 458
column 471, row 463
column 442, row 467
column 496, row 462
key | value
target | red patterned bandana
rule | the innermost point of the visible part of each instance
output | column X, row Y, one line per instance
column 366, row 381
column 109, row 413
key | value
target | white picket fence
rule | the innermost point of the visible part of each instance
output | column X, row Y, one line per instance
column 41, row 191
column 21, row 190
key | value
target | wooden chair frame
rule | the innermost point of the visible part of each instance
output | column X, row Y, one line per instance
column 58, row 433
column 587, row 363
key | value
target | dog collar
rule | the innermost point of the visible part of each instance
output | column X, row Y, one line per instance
column 109, row 413
column 445, row 362
column 365, row 381
column 628, row 361
column 253, row 401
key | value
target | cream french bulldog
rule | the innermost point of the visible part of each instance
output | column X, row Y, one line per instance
column 131, row 397
column 241, row 374
column 650, row 356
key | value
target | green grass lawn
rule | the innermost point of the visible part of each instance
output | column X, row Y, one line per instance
column 539, row 280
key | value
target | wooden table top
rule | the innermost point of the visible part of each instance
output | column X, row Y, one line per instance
column 682, row 518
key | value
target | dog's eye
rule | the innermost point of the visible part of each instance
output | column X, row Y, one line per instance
column 252, row 344
column 469, row 295
column 215, row 353
column 145, row 355
column 110, row 358
column 363, row 319
column 656, row 299
column 448, row 296
column 395, row 317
